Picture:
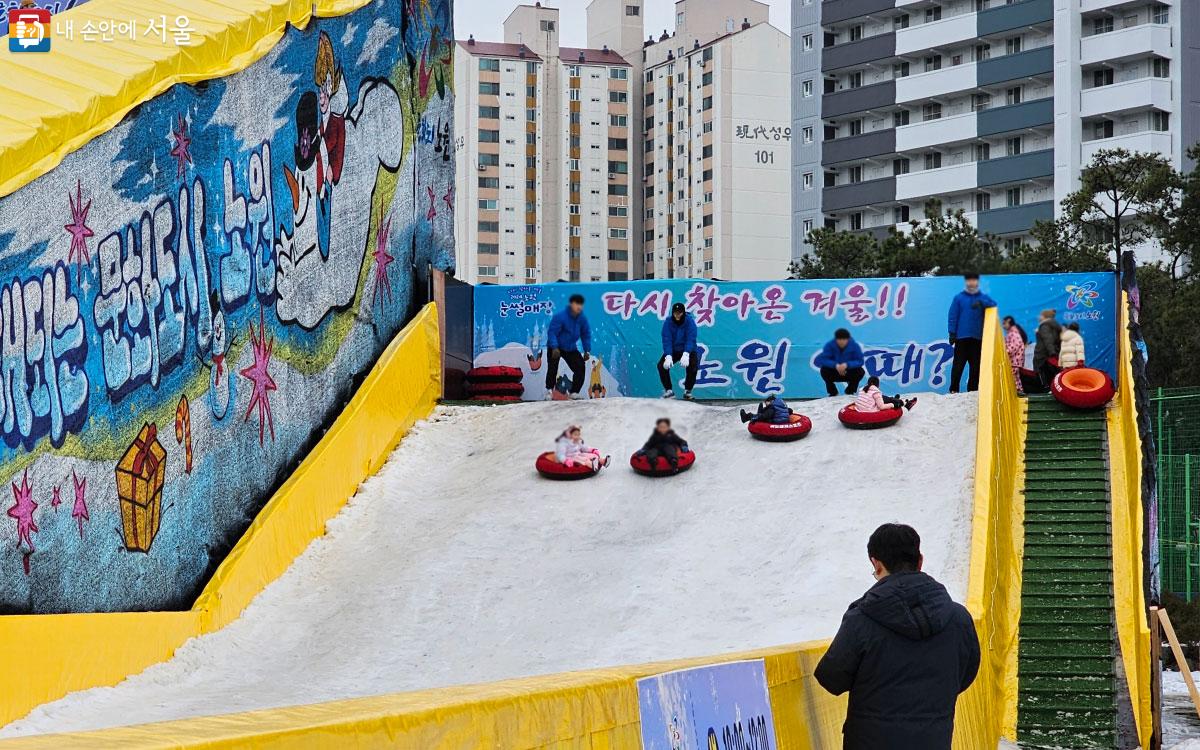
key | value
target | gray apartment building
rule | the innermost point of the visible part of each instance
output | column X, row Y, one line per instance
column 989, row 106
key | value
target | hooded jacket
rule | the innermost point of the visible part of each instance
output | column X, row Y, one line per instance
column 833, row 355
column 662, row 440
column 678, row 337
column 1048, row 334
column 966, row 314
column 566, row 329
column 1070, row 349
column 905, row 650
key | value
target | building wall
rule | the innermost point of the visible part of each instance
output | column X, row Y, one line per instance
column 806, row 122
column 234, row 259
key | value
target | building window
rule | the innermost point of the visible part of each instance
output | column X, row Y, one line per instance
column 489, row 182
column 982, row 52
column 573, row 209
column 1160, row 121
column 1014, row 146
column 706, row 79
column 618, row 167
column 487, row 270
column 806, row 134
column 854, row 174
column 983, row 151
column 616, row 189
column 1014, row 95
column 707, row 104
column 1160, row 67
column 806, row 42
column 900, row 119
column 617, row 233
column 933, row 14
column 900, row 22
column 855, row 80
column 807, row 181
column 1160, row 14
column 1013, row 45
column 531, row 68
column 489, row 113
column 632, row 10
column 546, row 25
column 983, row 202
column 490, row 64
column 618, row 144
column 1103, row 129
column 856, row 221
column 808, row 227
column 487, row 204
column 489, row 248
column 489, row 136
column 489, row 88
column 806, row 88
column 980, row 102
column 900, row 215
column 1102, row 77
column 618, row 97
column 618, row 211
column 489, row 160
column 933, row 160
column 619, row 74
column 531, row 115
column 933, row 62
column 900, row 70
column 932, row 111
column 489, row 226
column 856, row 32
column 900, row 166
column 855, row 127
column 1102, row 25
column 618, row 121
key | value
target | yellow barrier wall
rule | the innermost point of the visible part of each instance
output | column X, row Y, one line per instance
column 44, row 657
column 598, row 709
column 1125, row 465
column 997, row 539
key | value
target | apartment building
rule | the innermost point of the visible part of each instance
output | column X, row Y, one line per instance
column 716, row 189
column 543, row 143
column 988, row 106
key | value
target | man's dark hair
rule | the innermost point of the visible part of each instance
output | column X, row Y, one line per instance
column 841, row 333
column 897, row 546
column 662, row 420
column 971, row 276
column 576, row 298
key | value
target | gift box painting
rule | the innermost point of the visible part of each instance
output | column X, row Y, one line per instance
column 140, row 476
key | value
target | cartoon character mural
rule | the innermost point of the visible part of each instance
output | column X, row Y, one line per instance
column 226, row 260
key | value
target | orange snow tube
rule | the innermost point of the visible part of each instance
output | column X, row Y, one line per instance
column 796, row 428
column 1083, row 387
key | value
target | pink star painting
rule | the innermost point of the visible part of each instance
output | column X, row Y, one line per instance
column 22, row 512
column 80, row 511
column 382, row 260
column 182, row 148
column 56, row 500
column 79, row 231
column 259, row 375
column 432, row 212
column 448, row 198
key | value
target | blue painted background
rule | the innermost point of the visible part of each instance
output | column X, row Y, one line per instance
column 692, row 708
column 761, row 337
column 194, row 251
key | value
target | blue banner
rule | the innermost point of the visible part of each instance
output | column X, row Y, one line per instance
column 757, row 338
column 718, row 707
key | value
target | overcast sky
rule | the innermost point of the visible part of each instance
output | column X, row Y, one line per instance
column 484, row 18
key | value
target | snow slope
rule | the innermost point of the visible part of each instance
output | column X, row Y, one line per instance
column 458, row 564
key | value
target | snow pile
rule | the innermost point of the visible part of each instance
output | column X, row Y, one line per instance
column 458, row 564
column 1181, row 726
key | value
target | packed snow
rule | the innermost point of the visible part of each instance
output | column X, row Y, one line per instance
column 458, row 564
column 1181, row 725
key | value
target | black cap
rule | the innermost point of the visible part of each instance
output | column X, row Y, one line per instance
column 677, row 307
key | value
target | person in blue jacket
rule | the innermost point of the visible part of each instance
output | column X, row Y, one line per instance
column 568, row 329
column 772, row 410
column 679, row 346
column 966, row 331
column 841, row 361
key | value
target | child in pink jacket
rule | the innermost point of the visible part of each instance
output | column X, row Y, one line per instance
column 570, row 450
column 871, row 399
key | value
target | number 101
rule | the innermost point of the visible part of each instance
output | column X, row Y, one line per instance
column 764, row 157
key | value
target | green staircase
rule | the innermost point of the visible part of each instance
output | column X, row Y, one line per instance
column 1066, row 667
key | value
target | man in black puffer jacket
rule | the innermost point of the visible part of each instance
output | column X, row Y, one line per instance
column 905, row 651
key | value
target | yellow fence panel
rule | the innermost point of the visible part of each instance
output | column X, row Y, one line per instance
column 1125, row 465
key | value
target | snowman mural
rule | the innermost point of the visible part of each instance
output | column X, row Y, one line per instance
column 219, row 385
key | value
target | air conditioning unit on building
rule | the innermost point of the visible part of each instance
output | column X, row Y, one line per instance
column 482, row 167
column 612, row 175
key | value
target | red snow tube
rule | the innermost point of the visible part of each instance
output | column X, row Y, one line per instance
column 1083, row 387
column 661, row 468
column 495, row 388
column 497, row 399
column 548, row 466
column 496, row 374
column 869, row 420
column 798, row 427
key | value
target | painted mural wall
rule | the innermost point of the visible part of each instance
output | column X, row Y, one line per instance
column 187, row 301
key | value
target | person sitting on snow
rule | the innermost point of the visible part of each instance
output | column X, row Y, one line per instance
column 679, row 346
column 872, row 399
column 570, row 450
column 664, row 443
column 772, row 410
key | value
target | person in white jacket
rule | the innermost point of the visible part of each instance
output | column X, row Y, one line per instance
column 1070, row 347
column 570, row 450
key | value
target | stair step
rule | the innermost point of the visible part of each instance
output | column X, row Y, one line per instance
column 1097, row 508
column 1073, row 467
column 1055, row 575
column 1066, row 649
column 1038, row 523
column 1047, row 631
column 1067, row 683
column 1074, row 702
column 1055, row 484
column 1063, row 736
column 1033, row 601
column 1053, row 589
column 1053, row 666
column 1041, row 535
column 1080, row 552
column 1072, row 495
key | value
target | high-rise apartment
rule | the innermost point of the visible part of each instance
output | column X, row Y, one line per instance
column 544, row 139
column 989, row 106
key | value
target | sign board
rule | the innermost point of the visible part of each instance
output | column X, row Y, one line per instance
column 717, row 707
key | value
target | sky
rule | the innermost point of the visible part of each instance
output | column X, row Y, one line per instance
column 484, row 18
